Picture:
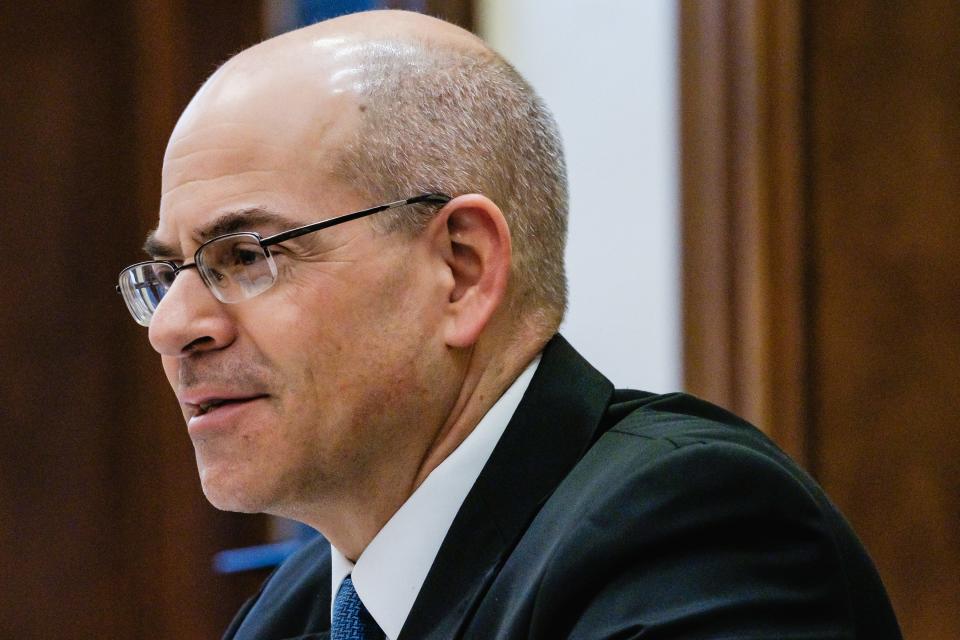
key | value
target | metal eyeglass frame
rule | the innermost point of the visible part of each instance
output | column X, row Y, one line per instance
column 265, row 243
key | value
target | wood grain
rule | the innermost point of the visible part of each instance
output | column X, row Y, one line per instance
column 103, row 528
column 821, row 190
column 885, row 184
column 744, row 220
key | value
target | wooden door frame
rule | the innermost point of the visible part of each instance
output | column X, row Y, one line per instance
column 744, row 223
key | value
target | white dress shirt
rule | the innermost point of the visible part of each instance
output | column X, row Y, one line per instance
column 389, row 573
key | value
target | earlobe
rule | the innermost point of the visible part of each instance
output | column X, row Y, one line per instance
column 479, row 260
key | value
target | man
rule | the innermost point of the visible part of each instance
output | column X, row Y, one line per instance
column 393, row 378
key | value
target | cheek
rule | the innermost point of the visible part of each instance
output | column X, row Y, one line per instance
column 171, row 368
column 332, row 312
column 332, row 331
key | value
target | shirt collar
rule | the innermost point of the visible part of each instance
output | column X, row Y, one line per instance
column 389, row 573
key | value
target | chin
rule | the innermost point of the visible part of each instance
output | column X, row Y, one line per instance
column 228, row 492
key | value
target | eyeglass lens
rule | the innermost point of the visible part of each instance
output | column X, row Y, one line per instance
column 234, row 267
column 143, row 286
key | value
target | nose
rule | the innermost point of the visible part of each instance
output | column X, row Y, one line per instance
column 189, row 319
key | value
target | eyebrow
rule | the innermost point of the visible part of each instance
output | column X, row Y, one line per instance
column 229, row 222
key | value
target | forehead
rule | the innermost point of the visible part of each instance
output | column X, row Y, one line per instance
column 241, row 145
column 227, row 176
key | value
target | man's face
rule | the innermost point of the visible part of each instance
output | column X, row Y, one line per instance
column 325, row 373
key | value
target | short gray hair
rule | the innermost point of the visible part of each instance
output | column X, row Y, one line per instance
column 442, row 119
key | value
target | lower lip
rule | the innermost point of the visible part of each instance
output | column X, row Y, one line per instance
column 220, row 418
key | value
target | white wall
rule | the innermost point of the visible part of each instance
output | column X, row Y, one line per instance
column 607, row 70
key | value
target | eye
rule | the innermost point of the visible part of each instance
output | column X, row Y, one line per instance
column 165, row 277
column 243, row 254
column 247, row 257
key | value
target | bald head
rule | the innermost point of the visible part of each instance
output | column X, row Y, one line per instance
column 314, row 77
column 390, row 104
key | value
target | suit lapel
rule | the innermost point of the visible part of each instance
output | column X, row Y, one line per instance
column 556, row 422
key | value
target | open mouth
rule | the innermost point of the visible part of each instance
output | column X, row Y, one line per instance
column 215, row 403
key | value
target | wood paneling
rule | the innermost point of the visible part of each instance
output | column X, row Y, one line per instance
column 885, row 182
column 821, row 185
column 459, row 12
column 103, row 530
column 744, row 225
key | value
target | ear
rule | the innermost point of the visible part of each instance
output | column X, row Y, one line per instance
column 475, row 244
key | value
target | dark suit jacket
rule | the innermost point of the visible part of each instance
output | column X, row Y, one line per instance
column 620, row 514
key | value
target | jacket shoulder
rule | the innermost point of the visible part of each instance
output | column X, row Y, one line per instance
column 293, row 601
column 683, row 520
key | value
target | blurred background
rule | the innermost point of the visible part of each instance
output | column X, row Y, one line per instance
column 765, row 212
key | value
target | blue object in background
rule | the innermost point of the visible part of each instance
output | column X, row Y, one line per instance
column 262, row 556
column 310, row 11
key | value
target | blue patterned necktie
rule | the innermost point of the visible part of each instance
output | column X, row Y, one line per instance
column 351, row 621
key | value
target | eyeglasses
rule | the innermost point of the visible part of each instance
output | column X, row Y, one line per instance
column 235, row 266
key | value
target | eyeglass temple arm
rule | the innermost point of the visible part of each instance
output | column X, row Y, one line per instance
column 436, row 198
